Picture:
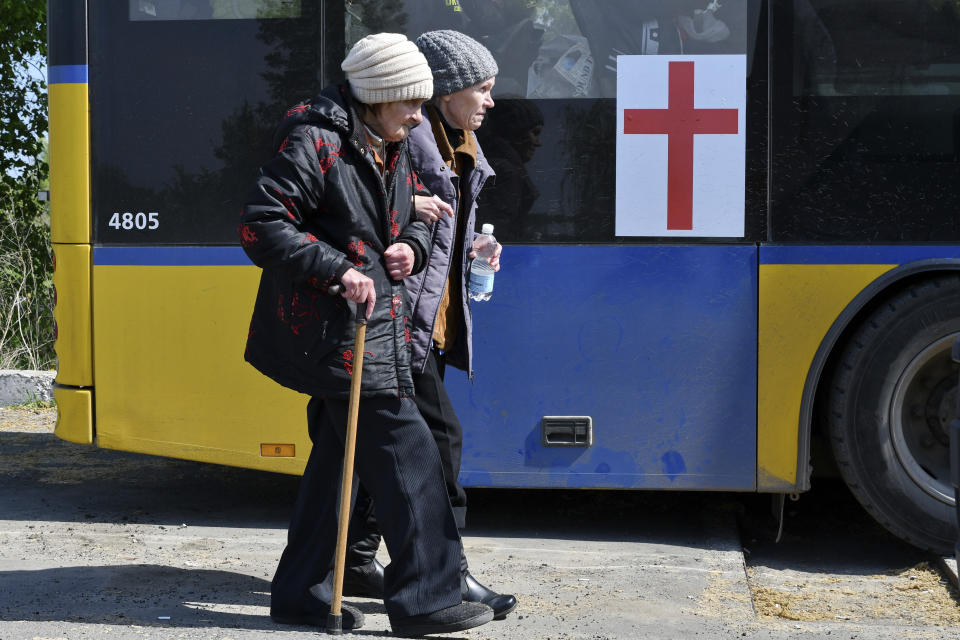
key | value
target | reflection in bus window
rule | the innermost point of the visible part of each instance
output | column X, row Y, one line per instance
column 506, row 27
column 565, row 48
column 213, row 9
column 815, row 57
column 886, row 48
column 558, row 58
column 666, row 27
column 510, row 137
column 206, row 110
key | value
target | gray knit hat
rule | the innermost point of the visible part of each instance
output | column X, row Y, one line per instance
column 386, row 67
column 457, row 60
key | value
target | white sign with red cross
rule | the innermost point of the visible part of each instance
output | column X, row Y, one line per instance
column 681, row 145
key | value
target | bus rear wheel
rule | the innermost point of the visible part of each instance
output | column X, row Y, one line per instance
column 892, row 397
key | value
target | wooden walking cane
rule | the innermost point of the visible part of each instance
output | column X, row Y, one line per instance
column 335, row 617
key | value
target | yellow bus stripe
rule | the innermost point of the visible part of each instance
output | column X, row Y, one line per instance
column 69, row 163
column 798, row 305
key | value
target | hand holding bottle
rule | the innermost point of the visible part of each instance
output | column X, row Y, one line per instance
column 494, row 260
column 485, row 254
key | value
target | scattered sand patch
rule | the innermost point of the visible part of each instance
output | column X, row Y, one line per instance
column 915, row 595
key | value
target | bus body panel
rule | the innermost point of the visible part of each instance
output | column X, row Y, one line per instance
column 687, row 334
column 636, row 363
column 74, row 414
column 798, row 305
column 655, row 343
column 70, row 218
column 173, row 382
column 69, row 155
column 72, row 314
column 804, row 292
column 69, row 149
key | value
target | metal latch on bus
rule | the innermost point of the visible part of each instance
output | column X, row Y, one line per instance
column 566, row 431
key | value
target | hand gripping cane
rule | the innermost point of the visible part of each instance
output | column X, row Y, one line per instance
column 335, row 617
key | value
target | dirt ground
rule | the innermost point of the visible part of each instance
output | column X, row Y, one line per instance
column 835, row 563
column 912, row 595
column 97, row 544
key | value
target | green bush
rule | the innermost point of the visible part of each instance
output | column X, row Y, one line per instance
column 26, row 288
column 26, row 276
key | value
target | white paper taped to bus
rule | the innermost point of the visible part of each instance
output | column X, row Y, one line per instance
column 681, row 145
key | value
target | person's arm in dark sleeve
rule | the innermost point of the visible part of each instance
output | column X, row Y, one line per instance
column 417, row 235
column 288, row 189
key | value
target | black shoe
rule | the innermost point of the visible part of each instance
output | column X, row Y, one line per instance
column 502, row 604
column 465, row 615
column 365, row 581
column 352, row 618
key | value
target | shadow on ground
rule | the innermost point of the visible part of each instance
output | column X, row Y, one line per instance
column 136, row 594
column 46, row 479
column 825, row 531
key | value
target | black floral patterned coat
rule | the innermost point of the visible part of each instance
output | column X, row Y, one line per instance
column 318, row 208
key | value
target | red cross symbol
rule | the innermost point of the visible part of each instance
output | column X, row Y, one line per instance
column 680, row 121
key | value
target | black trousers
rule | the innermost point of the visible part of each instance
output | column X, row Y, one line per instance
column 437, row 410
column 397, row 463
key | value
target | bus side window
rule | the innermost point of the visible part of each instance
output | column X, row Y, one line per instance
column 551, row 138
column 213, row 9
column 865, row 114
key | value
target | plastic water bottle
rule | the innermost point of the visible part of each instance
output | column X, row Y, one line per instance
column 481, row 273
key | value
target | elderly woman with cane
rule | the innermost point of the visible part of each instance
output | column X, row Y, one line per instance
column 451, row 165
column 334, row 207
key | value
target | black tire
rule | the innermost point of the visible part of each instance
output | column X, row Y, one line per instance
column 891, row 402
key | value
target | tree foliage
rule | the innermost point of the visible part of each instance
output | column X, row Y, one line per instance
column 23, row 95
column 26, row 278
column 26, row 288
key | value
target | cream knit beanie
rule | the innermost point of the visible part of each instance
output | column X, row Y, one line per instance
column 386, row 67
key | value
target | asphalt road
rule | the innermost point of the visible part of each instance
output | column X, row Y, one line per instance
column 102, row 544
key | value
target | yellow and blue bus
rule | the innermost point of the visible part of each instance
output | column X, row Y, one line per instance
column 731, row 229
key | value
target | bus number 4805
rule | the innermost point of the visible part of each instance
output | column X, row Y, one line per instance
column 139, row 220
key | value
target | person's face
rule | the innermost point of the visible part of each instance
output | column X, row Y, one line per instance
column 465, row 108
column 393, row 120
column 531, row 140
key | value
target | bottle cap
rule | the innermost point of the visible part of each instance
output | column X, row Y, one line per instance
column 487, row 228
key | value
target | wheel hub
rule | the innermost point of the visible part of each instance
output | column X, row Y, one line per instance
column 921, row 410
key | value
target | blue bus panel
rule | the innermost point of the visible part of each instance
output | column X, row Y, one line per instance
column 656, row 343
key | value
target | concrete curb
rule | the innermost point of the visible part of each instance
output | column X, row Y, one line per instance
column 17, row 386
column 948, row 566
